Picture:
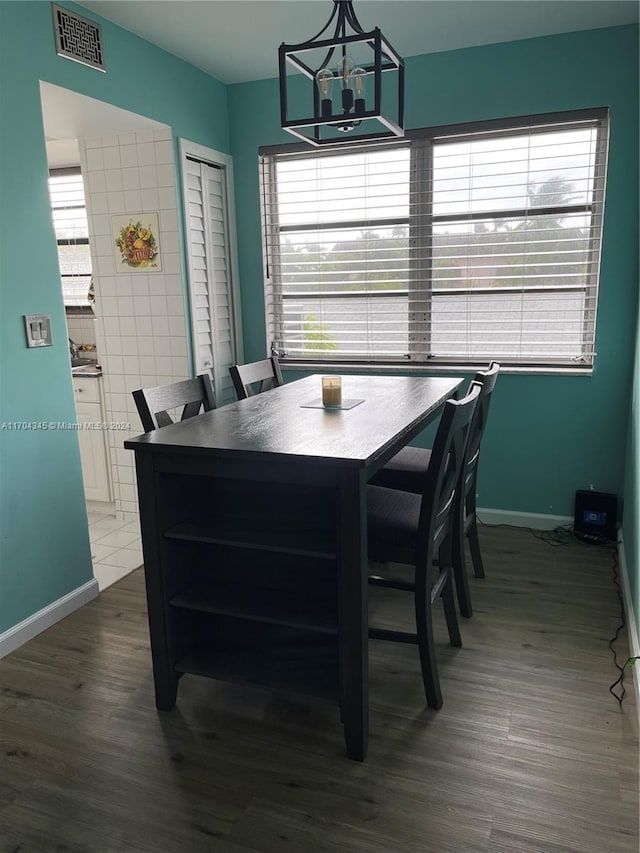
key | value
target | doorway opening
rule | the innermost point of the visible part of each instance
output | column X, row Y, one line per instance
column 107, row 163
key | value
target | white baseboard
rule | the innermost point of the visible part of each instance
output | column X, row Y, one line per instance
column 33, row 625
column 535, row 520
column 632, row 625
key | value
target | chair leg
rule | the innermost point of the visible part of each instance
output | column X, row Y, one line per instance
column 474, row 546
column 424, row 626
column 460, row 572
column 448, row 600
column 472, row 523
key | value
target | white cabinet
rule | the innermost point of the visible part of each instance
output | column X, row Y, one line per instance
column 93, row 442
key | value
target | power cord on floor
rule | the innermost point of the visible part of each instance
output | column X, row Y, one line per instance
column 619, row 682
column 561, row 536
column 566, row 536
column 542, row 535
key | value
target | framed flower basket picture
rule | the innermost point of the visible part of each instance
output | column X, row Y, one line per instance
column 135, row 237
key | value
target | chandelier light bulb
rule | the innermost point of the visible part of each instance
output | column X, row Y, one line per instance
column 344, row 71
column 359, row 77
column 324, row 80
column 345, row 74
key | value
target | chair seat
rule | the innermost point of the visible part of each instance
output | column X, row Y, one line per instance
column 393, row 518
column 406, row 471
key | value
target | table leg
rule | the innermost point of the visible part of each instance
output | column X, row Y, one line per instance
column 164, row 676
column 353, row 611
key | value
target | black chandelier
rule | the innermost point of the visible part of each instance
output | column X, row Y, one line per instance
column 345, row 72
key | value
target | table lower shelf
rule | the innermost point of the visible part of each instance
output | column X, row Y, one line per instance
column 279, row 607
column 260, row 535
column 308, row 669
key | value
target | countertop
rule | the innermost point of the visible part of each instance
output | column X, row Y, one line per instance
column 94, row 370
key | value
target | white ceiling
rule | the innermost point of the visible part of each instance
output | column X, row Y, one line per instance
column 68, row 116
column 237, row 40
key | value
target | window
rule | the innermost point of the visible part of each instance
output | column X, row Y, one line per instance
column 455, row 246
column 66, row 191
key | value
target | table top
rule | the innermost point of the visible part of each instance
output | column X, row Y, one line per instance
column 277, row 424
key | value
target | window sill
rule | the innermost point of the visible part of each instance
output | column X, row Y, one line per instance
column 426, row 370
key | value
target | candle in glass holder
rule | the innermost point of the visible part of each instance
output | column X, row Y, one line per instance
column 331, row 390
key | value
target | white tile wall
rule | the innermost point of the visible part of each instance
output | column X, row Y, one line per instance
column 140, row 326
column 82, row 330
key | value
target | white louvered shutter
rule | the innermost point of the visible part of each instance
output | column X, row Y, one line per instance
column 210, row 276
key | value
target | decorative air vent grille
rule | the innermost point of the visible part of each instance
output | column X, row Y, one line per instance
column 77, row 38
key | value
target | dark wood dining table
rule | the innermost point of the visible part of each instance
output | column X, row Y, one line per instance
column 254, row 536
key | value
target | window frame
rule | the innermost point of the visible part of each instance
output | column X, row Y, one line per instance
column 71, row 307
column 421, row 143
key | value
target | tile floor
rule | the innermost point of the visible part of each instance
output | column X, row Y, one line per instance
column 116, row 548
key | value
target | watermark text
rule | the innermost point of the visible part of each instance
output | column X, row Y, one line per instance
column 62, row 426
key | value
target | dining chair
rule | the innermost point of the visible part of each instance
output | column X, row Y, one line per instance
column 246, row 376
column 408, row 469
column 415, row 529
column 153, row 404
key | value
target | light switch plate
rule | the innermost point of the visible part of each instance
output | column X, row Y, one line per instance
column 38, row 328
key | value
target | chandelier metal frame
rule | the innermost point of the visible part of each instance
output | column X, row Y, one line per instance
column 320, row 128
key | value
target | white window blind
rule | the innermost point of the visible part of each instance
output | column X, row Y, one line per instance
column 66, row 191
column 210, row 275
column 478, row 244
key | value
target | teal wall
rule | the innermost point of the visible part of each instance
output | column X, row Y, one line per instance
column 549, row 435
column 44, row 547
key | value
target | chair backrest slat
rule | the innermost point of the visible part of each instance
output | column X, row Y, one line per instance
column 246, row 376
column 445, row 467
column 487, row 379
column 153, row 404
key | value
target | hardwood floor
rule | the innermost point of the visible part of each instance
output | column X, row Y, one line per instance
column 530, row 753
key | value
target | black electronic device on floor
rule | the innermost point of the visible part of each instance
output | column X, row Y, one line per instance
column 595, row 517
